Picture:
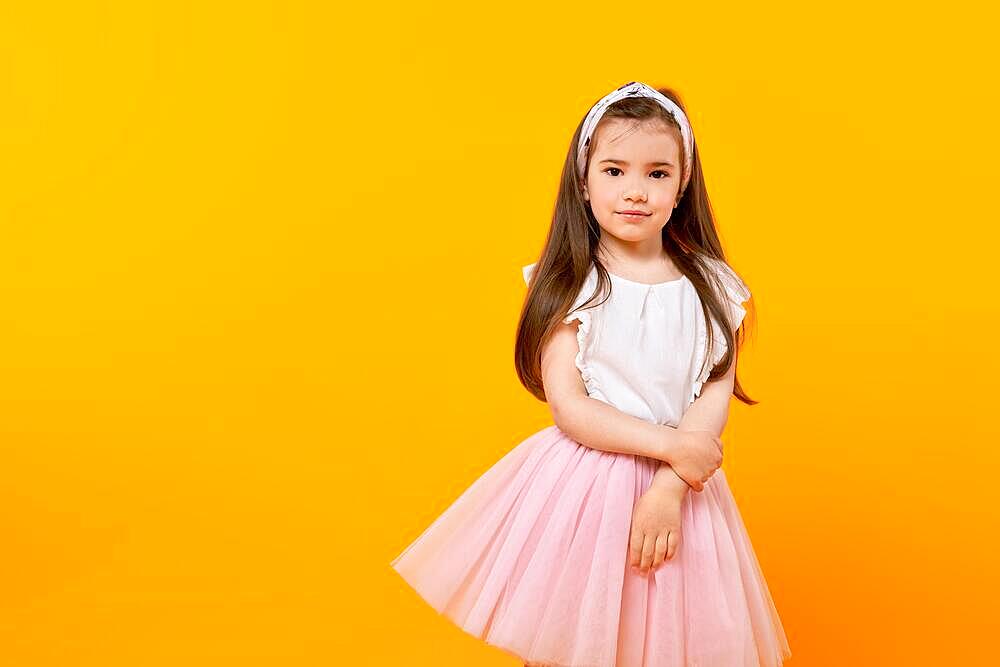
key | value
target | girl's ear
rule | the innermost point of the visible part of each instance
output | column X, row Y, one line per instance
column 586, row 195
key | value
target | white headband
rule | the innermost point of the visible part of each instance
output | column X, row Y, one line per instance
column 636, row 89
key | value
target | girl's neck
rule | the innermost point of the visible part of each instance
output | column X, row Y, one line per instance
column 643, row 267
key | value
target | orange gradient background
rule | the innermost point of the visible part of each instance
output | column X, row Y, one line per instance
column 261, row 273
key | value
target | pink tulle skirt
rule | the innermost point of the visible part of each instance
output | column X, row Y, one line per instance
column 533, row 558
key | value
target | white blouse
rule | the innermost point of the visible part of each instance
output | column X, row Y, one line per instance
column 641, row 349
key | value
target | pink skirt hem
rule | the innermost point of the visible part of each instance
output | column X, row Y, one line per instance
column 532, row 558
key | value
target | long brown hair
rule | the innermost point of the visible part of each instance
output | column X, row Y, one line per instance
column 689, row 237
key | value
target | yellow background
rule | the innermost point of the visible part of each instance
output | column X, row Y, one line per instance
column 261, row 271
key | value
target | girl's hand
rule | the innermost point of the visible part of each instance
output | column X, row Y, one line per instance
column 695, row 456
column 656, row 525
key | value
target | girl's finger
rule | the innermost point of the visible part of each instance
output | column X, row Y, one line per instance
column 673, row 541
column 634, row 547
column 648, row 544
column 661, row 549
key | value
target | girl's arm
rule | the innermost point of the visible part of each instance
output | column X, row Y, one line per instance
column 590, row 421
column 708, row 412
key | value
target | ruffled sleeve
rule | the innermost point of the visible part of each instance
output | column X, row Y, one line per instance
column 584, row 333
column 736, row 293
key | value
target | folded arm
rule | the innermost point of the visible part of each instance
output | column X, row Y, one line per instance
column 708, row 412
column 587, row 420
column 598, row 425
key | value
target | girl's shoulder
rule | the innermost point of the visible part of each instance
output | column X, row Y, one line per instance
column 526, row 271
column 734, row 286
column 583, row 297
column 591, row 280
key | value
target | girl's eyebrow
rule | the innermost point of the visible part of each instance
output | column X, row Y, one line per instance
column 651, row 164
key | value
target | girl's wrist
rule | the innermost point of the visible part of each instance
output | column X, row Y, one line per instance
column 665, row 477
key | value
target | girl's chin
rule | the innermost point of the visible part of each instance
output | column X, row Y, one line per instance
column 640, row 228
column 634, row 233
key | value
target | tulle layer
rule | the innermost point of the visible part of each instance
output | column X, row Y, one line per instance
column 533, row 558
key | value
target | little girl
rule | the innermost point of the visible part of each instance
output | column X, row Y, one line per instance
column 568, row 552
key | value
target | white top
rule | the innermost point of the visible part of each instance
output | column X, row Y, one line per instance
column 641, row 349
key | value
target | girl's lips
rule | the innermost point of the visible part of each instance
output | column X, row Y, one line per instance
column 633, row 214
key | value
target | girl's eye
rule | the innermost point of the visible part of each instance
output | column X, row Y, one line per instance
column 658, row 171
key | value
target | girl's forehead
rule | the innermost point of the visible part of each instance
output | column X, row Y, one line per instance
column 618, row 134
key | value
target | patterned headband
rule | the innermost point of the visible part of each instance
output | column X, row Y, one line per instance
column 636, row 89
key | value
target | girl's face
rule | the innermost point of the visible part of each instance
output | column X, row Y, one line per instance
column 633, row 167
